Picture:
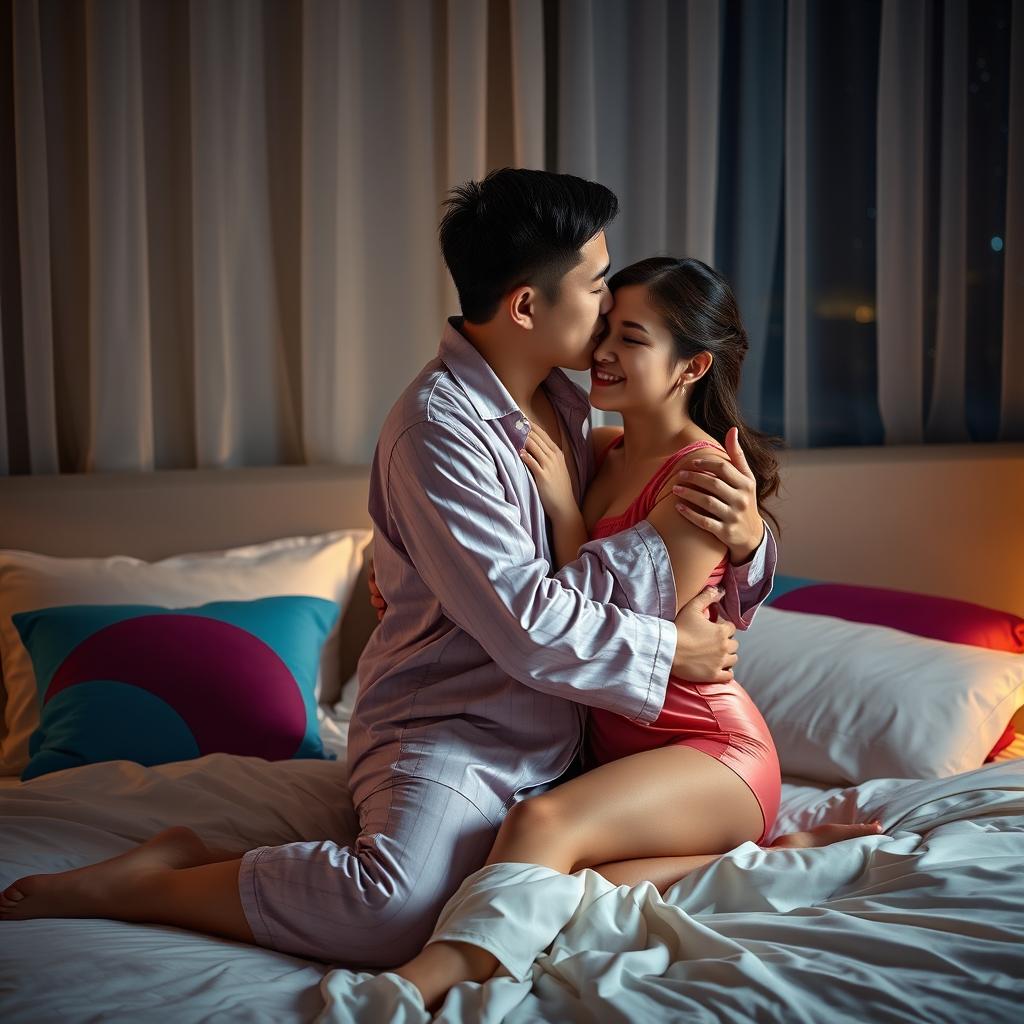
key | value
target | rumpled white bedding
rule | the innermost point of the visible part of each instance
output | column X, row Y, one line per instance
column 90, row 970
column 924, row 923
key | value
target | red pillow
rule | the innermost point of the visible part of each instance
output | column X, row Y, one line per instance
column 1004, row 741
column 941, row 618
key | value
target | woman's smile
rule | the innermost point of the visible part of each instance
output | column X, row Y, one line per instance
column 604, row 379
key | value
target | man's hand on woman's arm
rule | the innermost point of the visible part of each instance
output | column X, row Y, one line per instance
column 705, row 650
column 721, row 497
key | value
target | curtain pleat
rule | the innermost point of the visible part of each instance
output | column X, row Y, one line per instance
column 646, row 84
column 526, row 18
column 335, row 366
column 796, row 332
column 466, row 99
column 119, row 304
column 1011, row 424
column 409, row 326
column 759, row 173
column 165, row 90
column 32, row 163
column 577, row 89
column 947, row 420
column 239, row 414
column 467, row 90
column 900, row 237
column 703, row 74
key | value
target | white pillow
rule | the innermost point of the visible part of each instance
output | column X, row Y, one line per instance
column 846, row 702
column 322, row 566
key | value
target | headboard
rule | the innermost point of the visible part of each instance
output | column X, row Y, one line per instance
column 168, row 512
column 939, row 519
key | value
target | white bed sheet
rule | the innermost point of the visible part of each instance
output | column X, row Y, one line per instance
column 924, row 923
column 90, row 970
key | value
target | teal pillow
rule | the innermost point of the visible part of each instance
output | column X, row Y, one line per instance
column 150, row 684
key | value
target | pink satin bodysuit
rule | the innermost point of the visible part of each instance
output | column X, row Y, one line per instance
column 717, row 718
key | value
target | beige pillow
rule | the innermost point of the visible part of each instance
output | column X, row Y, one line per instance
column 324, row 566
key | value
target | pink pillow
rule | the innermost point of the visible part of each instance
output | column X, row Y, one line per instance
column 940, row 618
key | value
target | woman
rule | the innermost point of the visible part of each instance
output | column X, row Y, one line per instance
column 657, row 801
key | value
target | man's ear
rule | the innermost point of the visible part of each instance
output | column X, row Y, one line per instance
column 522, row 306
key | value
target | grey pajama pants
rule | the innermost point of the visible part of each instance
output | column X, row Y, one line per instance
column 374, row 903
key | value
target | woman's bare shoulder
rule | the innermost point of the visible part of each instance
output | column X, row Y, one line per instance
column 711, row 450
column 685, row 462
column 601, row 437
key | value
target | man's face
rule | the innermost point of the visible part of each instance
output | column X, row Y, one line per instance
column 568, row 330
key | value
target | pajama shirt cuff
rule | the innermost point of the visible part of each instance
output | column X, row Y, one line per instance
column 248, row 891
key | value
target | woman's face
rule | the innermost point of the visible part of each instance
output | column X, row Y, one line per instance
column 638, row 350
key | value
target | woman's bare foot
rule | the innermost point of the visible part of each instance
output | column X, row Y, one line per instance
column 103, row 889
column 442, row 965
column 824, row 835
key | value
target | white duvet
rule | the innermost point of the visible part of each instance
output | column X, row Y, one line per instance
column 925, row 922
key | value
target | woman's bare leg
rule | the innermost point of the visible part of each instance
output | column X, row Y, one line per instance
column 664, row 872
column 653, row 816
column 173, row 878
column 670, row 801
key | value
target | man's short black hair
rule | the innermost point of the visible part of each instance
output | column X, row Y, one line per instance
column 518, row 227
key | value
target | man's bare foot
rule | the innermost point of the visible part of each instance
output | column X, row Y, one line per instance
column 96, row 890
column 824, row 835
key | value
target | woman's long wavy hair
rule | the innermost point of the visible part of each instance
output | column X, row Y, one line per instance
column 700, row 312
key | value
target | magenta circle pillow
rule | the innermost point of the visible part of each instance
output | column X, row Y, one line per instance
column 151, row 684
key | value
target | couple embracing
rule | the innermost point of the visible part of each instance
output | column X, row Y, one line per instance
column 551, row 685
column 558, row 595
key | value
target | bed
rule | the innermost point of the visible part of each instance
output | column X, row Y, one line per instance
column 922, row 923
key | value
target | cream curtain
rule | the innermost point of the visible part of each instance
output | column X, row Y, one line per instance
column 219, row 218
column 227, row 214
